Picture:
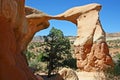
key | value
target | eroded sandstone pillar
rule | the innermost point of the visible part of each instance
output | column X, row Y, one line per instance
column 91, row 50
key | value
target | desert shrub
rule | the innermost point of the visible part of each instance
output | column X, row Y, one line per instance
column 114, row 43
column 29, row 55
column 116, row 68
column 33, row 65
column 37, row 44
column 39, row 57
column 34, row 61
column 37, row 65
column 112, row 73
column 31, row 46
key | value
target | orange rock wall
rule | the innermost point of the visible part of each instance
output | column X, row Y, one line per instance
column 13, row 65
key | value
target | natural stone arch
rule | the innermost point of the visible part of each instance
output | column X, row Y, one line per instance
column 91, row 50
column 17, row 30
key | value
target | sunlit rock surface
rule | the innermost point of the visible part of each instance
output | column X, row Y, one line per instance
column 19, row 24
column 91, row 50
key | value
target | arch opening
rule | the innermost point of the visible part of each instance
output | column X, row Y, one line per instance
column 67, row 27
column 69, row 30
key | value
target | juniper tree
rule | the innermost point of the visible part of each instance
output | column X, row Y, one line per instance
column 57, row 49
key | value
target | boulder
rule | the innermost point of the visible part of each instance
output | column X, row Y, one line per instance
column 68, row 74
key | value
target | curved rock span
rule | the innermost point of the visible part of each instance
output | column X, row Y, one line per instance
column 18, row 24
column 91, row 50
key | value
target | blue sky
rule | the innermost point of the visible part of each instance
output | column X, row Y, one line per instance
column 109, row 14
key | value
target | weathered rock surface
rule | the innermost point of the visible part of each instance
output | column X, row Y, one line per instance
column 68, row 74
column 17, row 30
column 15, row 34
column 91, row 50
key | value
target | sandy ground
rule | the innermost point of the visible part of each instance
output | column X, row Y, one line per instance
column 81, row 76
column 88, row 75
column 96, row 76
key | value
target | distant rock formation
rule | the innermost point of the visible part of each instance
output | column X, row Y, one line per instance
column 38, row 39
column 113, row 34
column 17, row 30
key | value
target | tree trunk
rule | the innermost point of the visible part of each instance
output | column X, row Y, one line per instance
column 50, row 68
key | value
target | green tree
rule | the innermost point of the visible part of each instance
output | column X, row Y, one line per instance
column 57, row 47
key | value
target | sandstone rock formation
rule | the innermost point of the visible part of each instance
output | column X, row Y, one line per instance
column 68, row 74
column 91, row 50
column 15, row 34
column 17, row 29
